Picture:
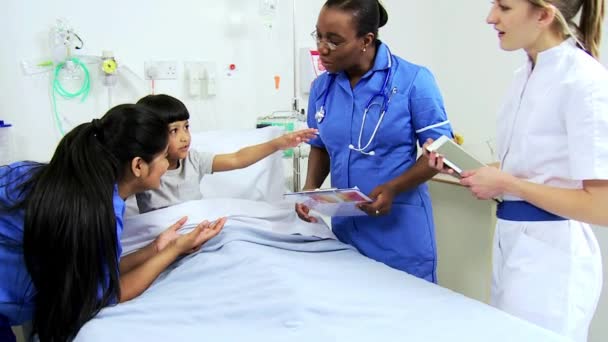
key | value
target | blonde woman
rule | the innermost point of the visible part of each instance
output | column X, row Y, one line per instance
column 553, row 175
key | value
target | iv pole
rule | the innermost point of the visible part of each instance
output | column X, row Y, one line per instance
column 297, row 152
column 295, row 60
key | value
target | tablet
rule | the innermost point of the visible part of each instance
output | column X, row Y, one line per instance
column 454, row 156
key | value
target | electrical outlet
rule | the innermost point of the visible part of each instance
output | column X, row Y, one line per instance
column 160, row 70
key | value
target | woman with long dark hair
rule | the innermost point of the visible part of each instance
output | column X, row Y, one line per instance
column 60, row 225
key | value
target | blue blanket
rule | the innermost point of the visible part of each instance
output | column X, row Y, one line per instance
column 255, row 285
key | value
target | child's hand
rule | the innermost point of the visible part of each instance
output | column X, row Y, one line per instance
column 294, row 139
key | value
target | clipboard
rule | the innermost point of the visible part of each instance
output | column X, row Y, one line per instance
column 332, row 202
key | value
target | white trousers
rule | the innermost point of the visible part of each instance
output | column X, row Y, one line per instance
column 549, row 273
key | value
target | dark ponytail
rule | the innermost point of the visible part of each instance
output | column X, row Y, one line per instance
column 369, row 15
column 70, row 239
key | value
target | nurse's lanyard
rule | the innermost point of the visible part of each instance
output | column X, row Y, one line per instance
column 386, row 99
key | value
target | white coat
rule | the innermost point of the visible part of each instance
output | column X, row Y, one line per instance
column 552, row 131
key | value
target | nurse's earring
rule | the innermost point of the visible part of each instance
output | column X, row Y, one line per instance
column 364, row 49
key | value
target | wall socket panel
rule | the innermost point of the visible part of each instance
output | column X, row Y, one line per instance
column 201, row 78
column 160, row 70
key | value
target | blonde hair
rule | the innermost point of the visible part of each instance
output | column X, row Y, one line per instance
column 588, row 32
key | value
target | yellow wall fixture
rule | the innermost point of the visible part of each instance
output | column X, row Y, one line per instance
column 458, row 138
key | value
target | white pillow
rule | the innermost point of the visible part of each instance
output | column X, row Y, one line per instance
column 262, row 181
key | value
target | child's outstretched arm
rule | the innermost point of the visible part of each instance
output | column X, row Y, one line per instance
column 252, row 154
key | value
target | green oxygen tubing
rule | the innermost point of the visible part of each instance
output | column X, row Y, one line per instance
column 58, row 89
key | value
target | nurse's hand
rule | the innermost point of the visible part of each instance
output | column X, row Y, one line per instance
column 435, row 160
column 383, row 196
column 303, row 212
column 486, row 182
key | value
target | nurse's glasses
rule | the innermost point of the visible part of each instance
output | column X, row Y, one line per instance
column 318, row 39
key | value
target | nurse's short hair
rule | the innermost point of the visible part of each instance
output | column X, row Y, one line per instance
column 369, row 14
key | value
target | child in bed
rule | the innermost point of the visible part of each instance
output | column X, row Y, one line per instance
column 187, row 167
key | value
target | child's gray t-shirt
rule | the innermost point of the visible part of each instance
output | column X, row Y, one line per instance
column 179, row 185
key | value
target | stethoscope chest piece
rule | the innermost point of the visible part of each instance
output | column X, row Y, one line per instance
column 320, row 115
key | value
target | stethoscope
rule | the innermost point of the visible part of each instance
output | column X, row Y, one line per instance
column 386, row 99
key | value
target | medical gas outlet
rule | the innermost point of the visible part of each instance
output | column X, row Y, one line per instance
column 109, row 67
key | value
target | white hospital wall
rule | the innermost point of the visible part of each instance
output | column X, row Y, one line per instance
column 599, row 327
column 179, row 30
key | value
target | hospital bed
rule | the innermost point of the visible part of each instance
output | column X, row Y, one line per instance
column 269, row 276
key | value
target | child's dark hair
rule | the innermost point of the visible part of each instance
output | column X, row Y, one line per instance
column 70, row 238
column 170, row 108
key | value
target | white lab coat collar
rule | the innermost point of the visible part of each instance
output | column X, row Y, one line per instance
column 553, row 54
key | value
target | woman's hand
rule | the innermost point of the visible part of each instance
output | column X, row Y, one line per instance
column 383, row 196
column 205, row 231
column 303, row 213
column 486, row 182
column 435, row 160
column 294, row 139
column 166, row 237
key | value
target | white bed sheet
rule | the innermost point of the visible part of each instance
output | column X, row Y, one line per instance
column 268, row 278
column 278, row 217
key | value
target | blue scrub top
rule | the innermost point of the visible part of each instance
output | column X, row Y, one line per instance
column 16, row 287
column 404, row 239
